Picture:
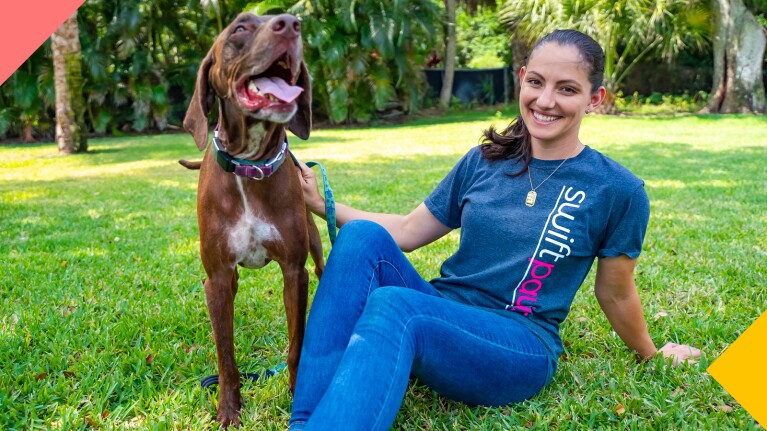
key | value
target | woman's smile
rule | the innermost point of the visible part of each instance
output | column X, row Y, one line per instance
column 543, row 118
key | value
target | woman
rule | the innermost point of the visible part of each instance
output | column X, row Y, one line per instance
column 535, row 207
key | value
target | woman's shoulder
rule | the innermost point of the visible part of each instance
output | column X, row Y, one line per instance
column 608, row 169
column 473, row 159
column 474, row 153
column 476, row 158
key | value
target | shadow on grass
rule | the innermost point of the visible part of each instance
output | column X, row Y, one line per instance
column 170, row 147
column 677, row 172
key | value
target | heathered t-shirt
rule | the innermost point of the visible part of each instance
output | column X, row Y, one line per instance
column 527, row 263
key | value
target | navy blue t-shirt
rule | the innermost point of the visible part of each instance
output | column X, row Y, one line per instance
column 527, row 263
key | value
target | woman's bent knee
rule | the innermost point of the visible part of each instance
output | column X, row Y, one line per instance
column 361, row 233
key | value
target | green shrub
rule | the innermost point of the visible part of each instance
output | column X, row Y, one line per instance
column 658, row 103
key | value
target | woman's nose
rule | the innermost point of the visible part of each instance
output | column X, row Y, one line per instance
column 546, row 98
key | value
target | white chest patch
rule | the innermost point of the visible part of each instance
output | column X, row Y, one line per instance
column 247, row 237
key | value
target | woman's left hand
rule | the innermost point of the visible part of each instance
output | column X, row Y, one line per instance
column 679, row 353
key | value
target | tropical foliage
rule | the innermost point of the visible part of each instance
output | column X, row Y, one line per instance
column 140, row 57
column 629, row 31
column 140, row 60
column 482, row 25
column 367, row 51
column 27, row 98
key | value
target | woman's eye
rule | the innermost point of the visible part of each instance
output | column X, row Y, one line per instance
column 533, row 82
column 239, row 29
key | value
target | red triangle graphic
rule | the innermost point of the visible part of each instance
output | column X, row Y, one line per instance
column 25, row 25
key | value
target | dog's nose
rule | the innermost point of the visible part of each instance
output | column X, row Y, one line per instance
column 286, row 25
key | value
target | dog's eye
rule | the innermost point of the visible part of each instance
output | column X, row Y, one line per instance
column 239, row 29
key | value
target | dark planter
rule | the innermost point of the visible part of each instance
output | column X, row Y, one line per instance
column 485, row 86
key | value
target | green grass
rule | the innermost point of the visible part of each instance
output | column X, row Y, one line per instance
column 103, row 321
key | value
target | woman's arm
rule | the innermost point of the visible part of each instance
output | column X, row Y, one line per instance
column 617, row 295
column 410, row 232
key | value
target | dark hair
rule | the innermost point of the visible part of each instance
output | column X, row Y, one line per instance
column 515, row 142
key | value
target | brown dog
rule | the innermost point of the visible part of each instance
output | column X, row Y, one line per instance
column 256, row 213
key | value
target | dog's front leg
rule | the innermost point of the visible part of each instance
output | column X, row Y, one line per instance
column 220, row 290
column 294, row 295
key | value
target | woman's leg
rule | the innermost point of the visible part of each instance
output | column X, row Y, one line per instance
column 465, row 353
column 363, row 258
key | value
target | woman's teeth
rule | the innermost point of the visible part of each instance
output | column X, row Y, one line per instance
column 545, row 118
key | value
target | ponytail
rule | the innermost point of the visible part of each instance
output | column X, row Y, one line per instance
column 514, row 143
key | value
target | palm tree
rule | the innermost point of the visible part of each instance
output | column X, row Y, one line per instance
column 628, row 31
column 71, row 134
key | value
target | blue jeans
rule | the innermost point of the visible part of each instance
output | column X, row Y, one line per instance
column 375, row 321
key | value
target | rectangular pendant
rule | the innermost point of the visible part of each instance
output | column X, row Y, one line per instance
column 530, row 200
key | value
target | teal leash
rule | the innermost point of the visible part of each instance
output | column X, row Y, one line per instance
column 330, row 203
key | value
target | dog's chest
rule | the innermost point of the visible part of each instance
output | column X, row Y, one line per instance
column 248, row 235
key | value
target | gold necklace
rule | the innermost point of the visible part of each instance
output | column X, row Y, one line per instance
column 532, row 195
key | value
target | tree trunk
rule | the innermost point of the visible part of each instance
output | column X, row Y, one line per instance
column 519, row 52
column 28, row 137
column 450, row 52
column 739, row 45
column 67, row 74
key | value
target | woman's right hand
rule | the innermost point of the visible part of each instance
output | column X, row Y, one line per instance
column 314, row 201
column 679, row 353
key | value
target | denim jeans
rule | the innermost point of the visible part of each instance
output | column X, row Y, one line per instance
column 375, row 322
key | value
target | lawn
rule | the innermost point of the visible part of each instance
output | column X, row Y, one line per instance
column 103, row 321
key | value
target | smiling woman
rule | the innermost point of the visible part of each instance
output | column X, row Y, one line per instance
column 555, row 94
column 486, row 331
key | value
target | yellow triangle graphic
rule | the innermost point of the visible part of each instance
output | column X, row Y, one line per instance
column 742, row 370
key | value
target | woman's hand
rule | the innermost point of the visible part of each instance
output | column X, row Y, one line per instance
column 679, row 353
column 314, row 201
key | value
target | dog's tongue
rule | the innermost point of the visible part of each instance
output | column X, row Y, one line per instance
column 278, row 88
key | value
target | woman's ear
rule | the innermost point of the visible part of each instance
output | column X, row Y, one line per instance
column 597, row 99
column 521, row 73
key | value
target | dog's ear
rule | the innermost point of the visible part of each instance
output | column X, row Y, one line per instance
column 196, row 119
column 301, row 123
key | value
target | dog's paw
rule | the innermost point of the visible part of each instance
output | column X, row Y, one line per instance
column 229, row 418
column 229, row 412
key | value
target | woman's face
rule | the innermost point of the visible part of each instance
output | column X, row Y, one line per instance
column 555, row 93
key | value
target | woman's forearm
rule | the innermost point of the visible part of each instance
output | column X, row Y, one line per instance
column 627, row 319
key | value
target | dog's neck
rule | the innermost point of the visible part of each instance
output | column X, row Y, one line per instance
column 250, row 139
